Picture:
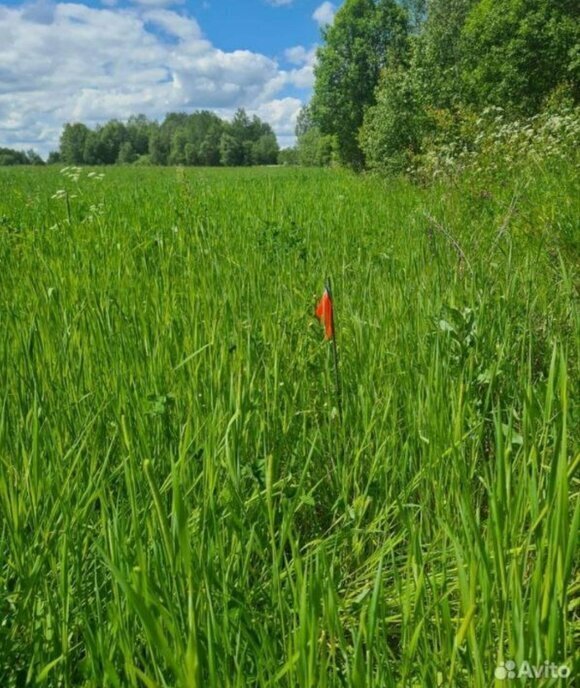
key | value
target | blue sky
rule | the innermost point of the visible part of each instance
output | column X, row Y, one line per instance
column 98, row 59
column 257, row 25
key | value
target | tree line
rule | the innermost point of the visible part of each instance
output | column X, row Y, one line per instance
column 394, row 78
column 9, row 156
column 200, row 138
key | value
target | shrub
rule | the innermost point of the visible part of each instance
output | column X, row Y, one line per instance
column 393, row 129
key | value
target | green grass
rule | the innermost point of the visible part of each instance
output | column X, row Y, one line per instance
column 179, row 504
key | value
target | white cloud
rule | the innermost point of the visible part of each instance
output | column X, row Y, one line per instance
column 148, row 3
column 324, row 14
column 70, row 62
column 299, row 55
column 279, row 3
column 281, row 114
column 174, row 24
column 302, row 76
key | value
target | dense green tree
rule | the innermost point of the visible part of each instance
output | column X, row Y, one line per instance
column 158, row 148
column 315, row 149
column 198, row 125
column 366, row 36
column 34, row 158
column 416, row 13
column 395, row 126
column 288, row 156
column 231, row 150
column 139, row 129
column 209, row 150
column 517, row 52
column 240, row 125
column 92, row 150
column 308, row 147
column 177, row 147
column 429, row 79
column 191, row 154
column 256, row 142
column 387, row 89
column 304, row 121
column 111, row 137
column 127, row 154
column 72, row 143
column 181, row 139
column 9, row 157
column 53, row 158
column 265, row 150
column 437, row 56
column 258, row 128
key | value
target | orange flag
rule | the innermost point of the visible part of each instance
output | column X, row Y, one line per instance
column 324, row 314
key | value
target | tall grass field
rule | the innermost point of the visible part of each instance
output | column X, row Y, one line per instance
column 180, row 501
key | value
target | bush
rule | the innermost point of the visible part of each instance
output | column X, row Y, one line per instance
column 288, row 156
column 143, row 161
column 493, row 144
column 394, row 128
column 316, row 149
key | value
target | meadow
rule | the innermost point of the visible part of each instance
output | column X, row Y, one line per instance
column 180, row 503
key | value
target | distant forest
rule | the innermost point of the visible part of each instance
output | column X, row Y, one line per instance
column 201, row 138
column 9, row 156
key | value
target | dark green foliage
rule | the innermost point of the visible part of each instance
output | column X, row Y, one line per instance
column 394, row 126
column 111, row 137
column 231, row 151
column 314, row 149
column 177, row 147
column 127, row 153
column 437, row 58
column 9, row 157
column 416, row 11
column 72, row 143
column 190, row 154
column 288, row 156
column 34, row 158
column 518, row 52
column 209, row 148
column 201, row 138
column 440, row 69
column 158, row 148
column 91, row 150
column 265, row 150
column 248, row 142
column 363, row 39
column 139, row 129
column 304, row 121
